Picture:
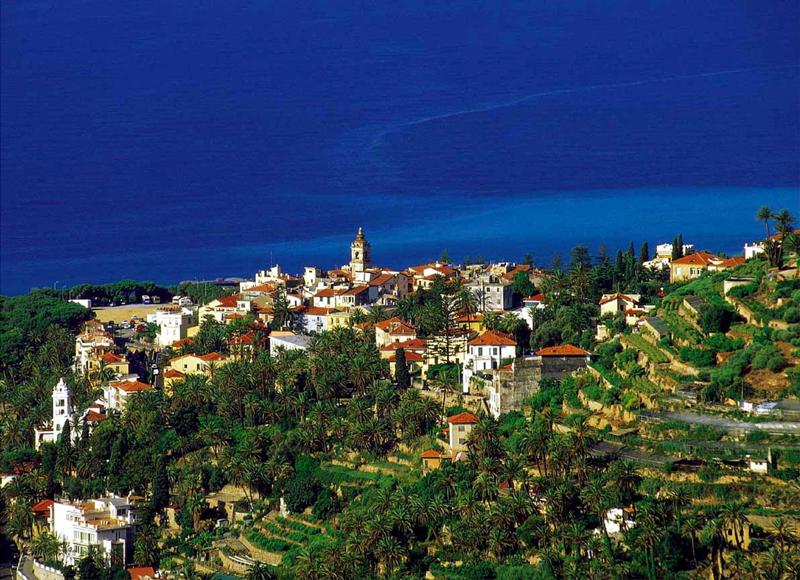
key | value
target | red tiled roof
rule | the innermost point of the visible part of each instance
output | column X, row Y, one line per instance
column 562, row 350
column 212, row 356
column 535, row 298
column 131, row 386
column 318, row 311
column 94, row 417
column 731, row 262
column 326, row 293
column 111, row 358
column 382, row 279
column 142, row 573
column 696, row 259
column 463, row 419
column 355, row 291
column 182, row 342
column 227, row 301
column 413, row 344
column 43, row 507
column 511, row 273
column 261, row 288
column 431, row 454
column 363, row 325
column 410, row 357
column 396, row 326
column 173, row 374
column 611, row 297
column 493, row 338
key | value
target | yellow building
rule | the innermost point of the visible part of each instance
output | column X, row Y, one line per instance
column 198, row 364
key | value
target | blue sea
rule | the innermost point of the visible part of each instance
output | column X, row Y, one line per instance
column 181, row 140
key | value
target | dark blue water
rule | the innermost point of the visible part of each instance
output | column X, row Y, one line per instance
column 174, row 140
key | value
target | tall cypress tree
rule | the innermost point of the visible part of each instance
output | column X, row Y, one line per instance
column 644, row 253
column 631, row 251
column 401, row 374
column 160, row 499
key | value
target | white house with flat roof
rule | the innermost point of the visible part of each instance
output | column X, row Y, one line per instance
column 107, row 523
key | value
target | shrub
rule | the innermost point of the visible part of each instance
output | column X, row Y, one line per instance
column 791, row 315
column 716, row 318
column 776, row 363
column 697, row 357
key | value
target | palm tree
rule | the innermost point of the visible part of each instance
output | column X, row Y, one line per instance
column 45, row 548
column 733, row 514
column 690, row 527
column 260, row 571
column 764, row 214
column 784, row 221
column 791, row 244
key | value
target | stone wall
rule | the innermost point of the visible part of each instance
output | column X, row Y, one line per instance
column 46, row 572
column 270, row 558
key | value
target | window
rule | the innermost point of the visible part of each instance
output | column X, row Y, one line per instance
column 480, row 351
column 494, row 351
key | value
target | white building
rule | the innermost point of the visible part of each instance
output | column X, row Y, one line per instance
column 107, row 523
column 618, row 520
column 458, row 430
column 487, row 352
column 665, row 250
column 492, row 293
column 62, row 411
column 173, row 323
column 287, row 340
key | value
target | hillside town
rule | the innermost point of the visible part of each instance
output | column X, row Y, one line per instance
column 643, row 410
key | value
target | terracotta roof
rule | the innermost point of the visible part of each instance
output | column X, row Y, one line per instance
column 318, row 311
column 382, row 279
column 111, row 358
column 173, row 374
column 94, row 417
column 396, row 326
column 142, row 573
column 431, row 454
column 227, row 301
column 182, row 342
column 410, row 357
column 731, row 262
column 355, row 291
column 131, row 386
column 513, row 272
column 261, row 288
column 413, row 344
column 363, row 325
column 326, row 293
column 212, row 356
column 535, row 298
column 562, row 350
column 463, row 419
column 616, row 296
column 42, row 507
column 493, row 338
column 696, row 259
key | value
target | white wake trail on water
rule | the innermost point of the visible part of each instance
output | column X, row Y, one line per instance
column 572, row 90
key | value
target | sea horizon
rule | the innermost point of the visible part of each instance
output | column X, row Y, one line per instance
column 542, row 226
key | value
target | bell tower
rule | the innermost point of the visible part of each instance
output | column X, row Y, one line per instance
column 62, row 406
column 360, row 255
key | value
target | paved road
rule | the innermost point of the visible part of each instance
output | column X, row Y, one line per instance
column 791, row 427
